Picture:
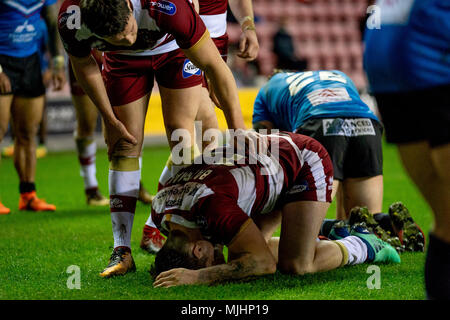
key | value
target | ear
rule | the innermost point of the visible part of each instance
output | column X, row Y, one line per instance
column 200, row 248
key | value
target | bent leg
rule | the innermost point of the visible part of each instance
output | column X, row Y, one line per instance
column 299, row 250
column 363, row 192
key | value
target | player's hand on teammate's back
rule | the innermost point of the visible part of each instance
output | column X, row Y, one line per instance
column 248, row 45
column 175, row 277
column 5, row 84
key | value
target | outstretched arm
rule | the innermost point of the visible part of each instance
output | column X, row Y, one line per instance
column 248, row 255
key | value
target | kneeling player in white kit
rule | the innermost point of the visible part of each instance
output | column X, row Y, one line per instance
column 237, row 198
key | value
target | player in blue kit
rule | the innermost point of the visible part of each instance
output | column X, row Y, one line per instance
column 407, row 62
column 21, row 86
column 326, row 106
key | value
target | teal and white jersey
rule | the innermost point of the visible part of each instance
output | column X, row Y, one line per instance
column 289, row 99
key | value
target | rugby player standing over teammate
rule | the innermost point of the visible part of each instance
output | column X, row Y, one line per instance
column 214, row 15
column 408, row 67
column 21, row 86
column 141, row 41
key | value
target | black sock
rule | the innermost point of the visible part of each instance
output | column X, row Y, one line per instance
column 327, row 225
column 384, row 220
column 437, row 269
column 27, row 187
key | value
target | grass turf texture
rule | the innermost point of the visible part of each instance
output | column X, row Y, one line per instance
column 37, row 248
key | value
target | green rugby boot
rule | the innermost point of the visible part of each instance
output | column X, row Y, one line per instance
column 377, row 249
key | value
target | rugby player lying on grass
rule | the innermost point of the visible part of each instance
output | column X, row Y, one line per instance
column 239, row 199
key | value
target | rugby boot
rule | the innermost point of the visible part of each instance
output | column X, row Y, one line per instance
column 152, row 240
column 362, row 214
column 3, row 209
column 29, row 201
column 120, row 263
column 339, row 230
column 386, row 237
column 377, row 249
column 95, row 198
column 409, row 233
column 144, row 196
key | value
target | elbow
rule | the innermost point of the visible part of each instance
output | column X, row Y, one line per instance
column 268, row 265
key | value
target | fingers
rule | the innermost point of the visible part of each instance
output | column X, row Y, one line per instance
column 5, row 84
column 248, row 46
column 166, row 279
column 58, row 81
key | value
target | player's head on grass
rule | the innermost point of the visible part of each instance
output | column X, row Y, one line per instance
column 111, row 20
column 181, row 251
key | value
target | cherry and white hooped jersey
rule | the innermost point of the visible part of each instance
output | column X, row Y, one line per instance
column 220, row 196
column 214, row 15
column 163, row 26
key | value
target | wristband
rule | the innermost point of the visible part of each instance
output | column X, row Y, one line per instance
column 58, row 62
column 247, row 24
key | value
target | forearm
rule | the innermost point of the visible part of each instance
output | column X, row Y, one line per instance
column 225, row 89
column 241, row 268
column 241, row 9
column 90, row 79
column 50, row 15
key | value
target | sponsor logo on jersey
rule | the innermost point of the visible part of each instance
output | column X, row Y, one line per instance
column 166, row 7
column 189, row 69
column 348, row 127
column 328, row 95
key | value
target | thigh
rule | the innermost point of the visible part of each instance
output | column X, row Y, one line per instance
column 27, row 114
column 180, row 107
column 132, row 115
column 206, row 117
column 5, row 113
column 363, row 192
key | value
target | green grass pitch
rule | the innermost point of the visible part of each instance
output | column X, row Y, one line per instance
column 37, row 248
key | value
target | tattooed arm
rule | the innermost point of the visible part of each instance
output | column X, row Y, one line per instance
column 248, row 255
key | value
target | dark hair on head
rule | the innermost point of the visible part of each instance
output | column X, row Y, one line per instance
column 105, row 17
column 175, row 254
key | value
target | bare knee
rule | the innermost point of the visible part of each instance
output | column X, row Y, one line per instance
column 295, row 267
column 123, row 148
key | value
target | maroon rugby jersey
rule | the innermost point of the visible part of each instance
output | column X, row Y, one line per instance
column 163, row 26
column 212, row 7
column 220, row 198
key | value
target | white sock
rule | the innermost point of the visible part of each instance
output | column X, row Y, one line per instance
column 150, row 222
column 356, row 248
column 87, row 149
column 124, row 191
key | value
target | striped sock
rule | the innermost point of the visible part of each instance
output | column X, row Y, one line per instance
column 87, row 149
column 124, row 177
column 356, row 249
